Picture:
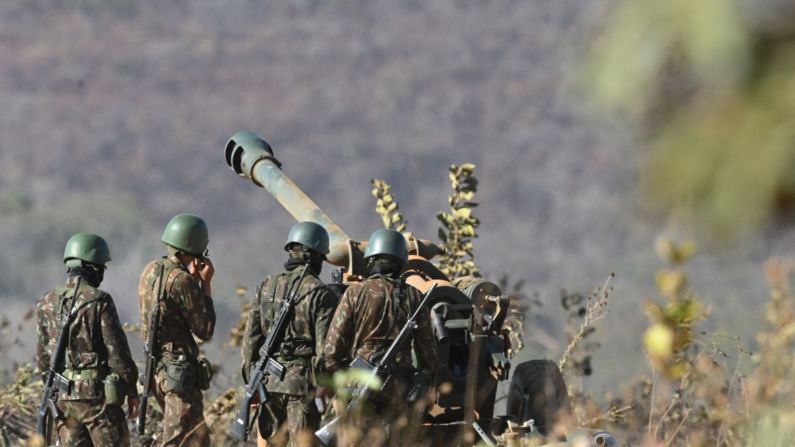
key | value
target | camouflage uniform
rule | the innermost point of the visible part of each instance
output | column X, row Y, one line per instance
column 96, row 343
column 292, row 398
column 360, row 325
column 184, row 312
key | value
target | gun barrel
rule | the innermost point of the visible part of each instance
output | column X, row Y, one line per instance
column 140, row 423
column 252, row 158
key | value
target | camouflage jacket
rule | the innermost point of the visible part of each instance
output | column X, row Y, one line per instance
column 184, row 312
column 363, row 319
column 302, row 343
column 96, row 339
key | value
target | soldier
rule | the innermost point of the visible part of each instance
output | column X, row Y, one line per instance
column 96, row 350
column 186, row 311
column 367, row 320
column 291, row 400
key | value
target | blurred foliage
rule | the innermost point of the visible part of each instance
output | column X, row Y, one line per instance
column 519, row 305
column 18, row 402
column 387, row 207
column 236, row 336
column 671, row 331
column 576, row 359
column 714, row 93
column 459, row 225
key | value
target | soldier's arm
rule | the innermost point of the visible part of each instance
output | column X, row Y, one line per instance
column 42, row 341
column 424, row 342
column 145, row 295
column 340, row 333
column 321, row 313
column 197, row 308
column 253, row 337
column 119, row 356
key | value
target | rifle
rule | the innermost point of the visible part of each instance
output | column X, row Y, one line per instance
column 56, row 382
column 382, row 370
column 149, row 370
column 265, row 365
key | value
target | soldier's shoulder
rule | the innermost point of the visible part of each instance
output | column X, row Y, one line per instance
column 48, row 298
column 270, row 278
column 180, row 276
column 358, row 288
column 315, row 282
column 93, row 293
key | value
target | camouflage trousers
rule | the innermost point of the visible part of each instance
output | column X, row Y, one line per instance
column 302, row 419
column 92, row 423
column 183, row 416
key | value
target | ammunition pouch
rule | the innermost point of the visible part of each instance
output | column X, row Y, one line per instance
column 115, row 390
column 420, row 384
column 180, row 375
column 204, row 374
column 82, row 384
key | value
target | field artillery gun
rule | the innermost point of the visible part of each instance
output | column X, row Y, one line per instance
column 467, row 313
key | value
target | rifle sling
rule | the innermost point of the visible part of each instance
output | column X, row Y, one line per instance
column 396, row 310
column 75, row 293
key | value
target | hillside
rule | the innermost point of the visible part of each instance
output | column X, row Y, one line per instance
column 114, row 116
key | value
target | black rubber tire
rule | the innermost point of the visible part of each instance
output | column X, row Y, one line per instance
column 547, row 395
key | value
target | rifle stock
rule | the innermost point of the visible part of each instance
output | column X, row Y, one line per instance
column 382, row 370
column 266, row 365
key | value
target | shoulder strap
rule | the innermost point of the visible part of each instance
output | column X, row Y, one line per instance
column 65, row 294
column 272, row 294
column 168, row 267
column 396, row 309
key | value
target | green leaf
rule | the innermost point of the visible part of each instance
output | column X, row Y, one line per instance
column 397, row 217
column 392, row 207
column 463, row 213
column 468, row 167
column 466, row 195
column 467, row 230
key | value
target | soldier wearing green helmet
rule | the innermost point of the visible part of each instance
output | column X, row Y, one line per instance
column 92, row 411
column 368, row 318
column 186, row 311
column 290, row 409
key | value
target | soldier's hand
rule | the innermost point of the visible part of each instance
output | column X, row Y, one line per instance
column 205, row 269
column 133, row 404
column 255, row 401
column 322, row 392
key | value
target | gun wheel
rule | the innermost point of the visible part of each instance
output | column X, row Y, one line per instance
column 538, row 392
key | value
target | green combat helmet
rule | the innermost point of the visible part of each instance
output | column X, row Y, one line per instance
column 388, row 242
column 188, row 233
column 86, row 247
column 309, row 234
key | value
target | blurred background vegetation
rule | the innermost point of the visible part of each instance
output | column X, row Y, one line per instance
column 595, row 126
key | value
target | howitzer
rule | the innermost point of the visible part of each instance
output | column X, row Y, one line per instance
column 468, row 321
column 148, row 378
column 266, row 365
column 382, row 370
column 56, row 382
